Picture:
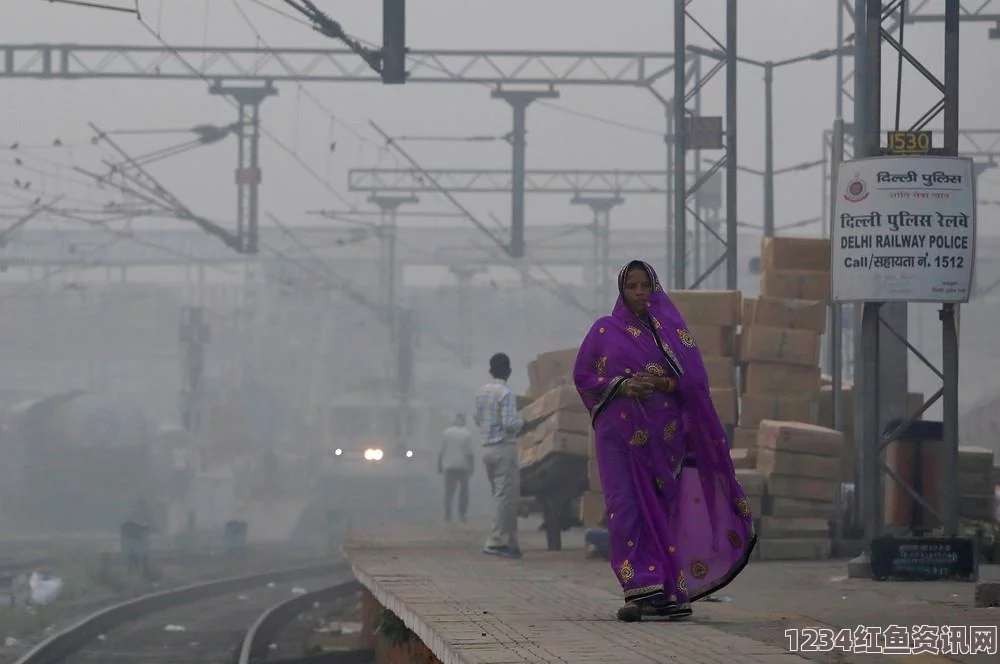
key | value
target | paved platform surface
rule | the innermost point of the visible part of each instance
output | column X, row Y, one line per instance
column 470, row 608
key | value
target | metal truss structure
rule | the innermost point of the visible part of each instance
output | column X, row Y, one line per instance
column 599, row 190
column 496, row 180
column 269, row 65
column 882, row 348
column 86, row 61
column 970, row 11
column 918, row 11
column 688, row 130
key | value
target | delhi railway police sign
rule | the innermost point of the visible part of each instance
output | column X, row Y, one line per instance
column 904, row 230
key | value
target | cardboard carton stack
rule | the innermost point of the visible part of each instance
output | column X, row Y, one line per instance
column 561, row 423
column 977, row 497
column 550, row 370
column 795, row 268
column 800, row 463
column 780, row 336
column 713, row 317
column 593, row 513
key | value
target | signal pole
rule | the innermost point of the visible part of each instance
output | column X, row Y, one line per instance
column 194, row 334
column 388, row 206
column 601, row 208
column 248, row 176
column 408, row 338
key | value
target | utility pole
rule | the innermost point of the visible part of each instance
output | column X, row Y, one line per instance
column 194, row 334
column 248, row 175
column 519, row 101
column 601, row 269
column 388, row 206
column 408, row 334
column 463, row 275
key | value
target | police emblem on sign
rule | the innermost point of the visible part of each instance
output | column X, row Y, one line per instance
column 856, row 190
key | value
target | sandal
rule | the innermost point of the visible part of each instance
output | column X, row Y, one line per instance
column 678, row 611
column 651, row 608
column 631, row 612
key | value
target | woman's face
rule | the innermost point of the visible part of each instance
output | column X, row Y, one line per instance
column 637, row 289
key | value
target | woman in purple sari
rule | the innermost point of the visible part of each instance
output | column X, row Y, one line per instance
column 679, row 521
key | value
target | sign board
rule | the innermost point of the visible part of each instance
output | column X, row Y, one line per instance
column 904, row 230
column 909, row 142
column 924, row 559
column 703, row 133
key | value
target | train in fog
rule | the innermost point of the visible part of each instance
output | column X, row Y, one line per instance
column 74, row 461
column 379, row 459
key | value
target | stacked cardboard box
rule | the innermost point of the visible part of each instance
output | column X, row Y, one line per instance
column 550, row 370
column 780, row 336
column 560, row 421
column 713, row 317
column 795, row 268
column 977, row 491
column 800, row 463
column 560, row 424
column 593, row 513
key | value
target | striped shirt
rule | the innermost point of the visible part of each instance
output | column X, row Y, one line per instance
column 496, row 414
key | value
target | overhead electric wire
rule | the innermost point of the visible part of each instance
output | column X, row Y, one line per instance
column 547, row 104
column 26, row 218
column 558, row 289
column 301, row 88
column 263, row 130
column 52, row 272
column 346, row 287
column 99, row 5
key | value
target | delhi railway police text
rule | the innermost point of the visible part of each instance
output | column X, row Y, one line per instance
column 904, row 229
column 904, row 220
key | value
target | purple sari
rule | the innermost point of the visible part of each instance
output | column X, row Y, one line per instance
column 678, row 519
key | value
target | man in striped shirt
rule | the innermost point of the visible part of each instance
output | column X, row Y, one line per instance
column 498, row 422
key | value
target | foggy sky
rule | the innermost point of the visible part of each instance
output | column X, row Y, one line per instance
column 37, row 111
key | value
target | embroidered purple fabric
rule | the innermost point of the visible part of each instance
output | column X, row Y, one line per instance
column 678, row 519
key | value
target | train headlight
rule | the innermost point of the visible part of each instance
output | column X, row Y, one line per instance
column 373, row 454
column 338, row 452
column 409, row 454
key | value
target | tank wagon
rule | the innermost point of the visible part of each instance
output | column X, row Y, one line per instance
column 74, row 461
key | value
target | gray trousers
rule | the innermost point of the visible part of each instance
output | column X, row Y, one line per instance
column 504, row 475
column 456, row 478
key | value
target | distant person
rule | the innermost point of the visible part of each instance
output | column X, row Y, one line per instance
column 456, row 462
column 498, row 422
column 679, row 523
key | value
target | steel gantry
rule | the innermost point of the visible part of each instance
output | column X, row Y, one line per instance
column 600, row 190
column 325, row 65
column 496, row 180
column 498, row 69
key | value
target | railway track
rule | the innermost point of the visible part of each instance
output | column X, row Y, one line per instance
column 206, row 622
column 260, row 637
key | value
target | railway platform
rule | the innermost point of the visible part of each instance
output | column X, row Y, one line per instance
column 469, row 608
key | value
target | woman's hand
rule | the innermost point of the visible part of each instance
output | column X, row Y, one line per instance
column 638, row 387
column 659, row 383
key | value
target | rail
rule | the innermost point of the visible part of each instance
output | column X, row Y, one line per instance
column 60, row 645
column 256, row 643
